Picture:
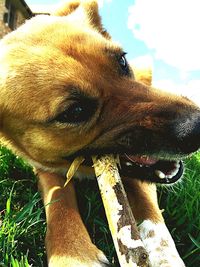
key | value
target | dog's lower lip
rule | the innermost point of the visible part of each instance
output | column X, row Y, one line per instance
column 173, row 175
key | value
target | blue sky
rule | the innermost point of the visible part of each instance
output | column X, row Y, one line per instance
column 164, row 33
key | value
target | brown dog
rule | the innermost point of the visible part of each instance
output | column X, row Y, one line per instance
column 66, row 90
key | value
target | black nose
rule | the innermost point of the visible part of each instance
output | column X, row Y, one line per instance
column 188, row 133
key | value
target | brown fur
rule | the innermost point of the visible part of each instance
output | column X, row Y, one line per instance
column 41, row 64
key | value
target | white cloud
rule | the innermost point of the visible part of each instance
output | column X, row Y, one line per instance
column 141, row 62
column 191, row 89
column 43, row 8
column 171, row 28
column 102, row 2
column 48, row 8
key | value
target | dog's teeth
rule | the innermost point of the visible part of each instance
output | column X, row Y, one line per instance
column 160, row 174
column 128, row 163
column 147, row 166
column 169, row 176
column 173, row 173
column 177, row 165
column 144, row 157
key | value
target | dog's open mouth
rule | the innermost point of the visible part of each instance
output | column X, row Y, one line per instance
column 146, row 168
column 151, row 169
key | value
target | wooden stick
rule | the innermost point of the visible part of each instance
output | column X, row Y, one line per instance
column 128, row 245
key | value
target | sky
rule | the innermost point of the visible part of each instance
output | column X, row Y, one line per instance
column 160, row 33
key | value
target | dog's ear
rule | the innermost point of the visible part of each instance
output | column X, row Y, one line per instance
column 67, row 8
column 85, row 11
column 142, row 74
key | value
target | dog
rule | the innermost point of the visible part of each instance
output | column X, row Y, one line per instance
column 66, row 90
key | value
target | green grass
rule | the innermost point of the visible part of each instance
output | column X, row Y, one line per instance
column 182, row 212
column 22, row 218
column 22, row 222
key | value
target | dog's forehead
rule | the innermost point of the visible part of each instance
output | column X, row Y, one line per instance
column 49, row 36
column 53, row 30
column 55, row 55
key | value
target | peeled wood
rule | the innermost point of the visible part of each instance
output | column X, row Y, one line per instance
column 128, row 245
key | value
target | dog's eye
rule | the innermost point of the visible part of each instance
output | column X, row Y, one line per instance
column 77, row 113
column 123, row 64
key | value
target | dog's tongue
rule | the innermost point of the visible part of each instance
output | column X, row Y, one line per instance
column 143, row 160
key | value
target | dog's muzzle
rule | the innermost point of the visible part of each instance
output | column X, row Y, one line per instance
column 155, row 156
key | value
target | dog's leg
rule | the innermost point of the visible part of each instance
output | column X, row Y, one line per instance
column 67, row 240
column 153, row 231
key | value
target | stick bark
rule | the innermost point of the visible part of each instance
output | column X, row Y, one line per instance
column 129, row 247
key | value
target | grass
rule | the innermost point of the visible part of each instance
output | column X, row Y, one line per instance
column 182, row 212
column 22, row 218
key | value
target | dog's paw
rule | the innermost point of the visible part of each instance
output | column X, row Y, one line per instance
column 92, row 259
column 160, row 245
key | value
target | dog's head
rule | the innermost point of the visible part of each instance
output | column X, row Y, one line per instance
column 66, row 89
